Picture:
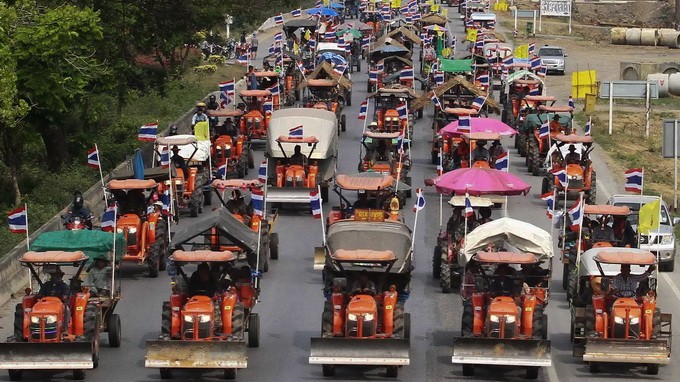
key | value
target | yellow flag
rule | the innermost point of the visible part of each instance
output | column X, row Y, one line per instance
column 649, row 217
column 445, row 12
column 471, row 35
column 522, row 51
column 435, row 8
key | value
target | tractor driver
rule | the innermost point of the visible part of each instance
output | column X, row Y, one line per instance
column 572, row 157
column 363, row 283
column 98, row 277
column 480, row 152
column 298, row 158
column 555, row 125
column 202, row 281
column 55, row 286
column 625, row 285
column 601, row 231
column 502, row 280
column 78, row 209
column 237, row 205
column 179, row 162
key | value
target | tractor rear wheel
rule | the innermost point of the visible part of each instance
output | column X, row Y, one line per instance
column 343, row 122
column 467, row 323
column 16, row 375
column 539, row 331
column 392, row 372
column 468, row 370
column 407, row 326
column 445, row 278
column 166, row 319
column 251, row 159
column 274, row 246
column 254, row 330
column 230, row 374
column 591, row 195
column 590, row 320
column 398, row 320
column 19, row 322
column 160, row 247
column 534, row 158
column 114, row 330
column 348, row 101
column 328, row 370
column 237, row 320
column 437, row 262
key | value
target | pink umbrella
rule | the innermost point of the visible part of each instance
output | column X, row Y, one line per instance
column 479, row 181
column 479, row 125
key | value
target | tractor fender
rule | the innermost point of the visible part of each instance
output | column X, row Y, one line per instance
column 227, row 307
column 528, row 309
column 338, row 301
column 389, row 303
column 599, row 306
column 648, row 309
column 152, row 219
column 479, row 313
column 176, row 301
column 27, row 303
column 142, row 245
column 78, row 313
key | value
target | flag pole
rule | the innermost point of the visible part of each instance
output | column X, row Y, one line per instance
column 28, row 248
column 419, row 193
column 101, row 174
column 113, row 260
column 642, row 192
column 233, row 103
column 441, row 196
column 171, row 191
column 564, row 215
column 580, row 237
column 368, row 103
column 323, row 224
column 552, row 213
column 259, row 241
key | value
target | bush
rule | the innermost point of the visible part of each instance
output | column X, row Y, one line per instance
column 217, row 60
column 205, row 69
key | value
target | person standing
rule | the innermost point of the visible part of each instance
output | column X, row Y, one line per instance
column 253, row 46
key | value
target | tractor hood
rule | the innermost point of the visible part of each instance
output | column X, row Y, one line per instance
column 321, row 124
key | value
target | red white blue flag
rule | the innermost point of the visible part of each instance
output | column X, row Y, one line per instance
column 296, row 12
column 544, row 130
column 576, row 214
column 315, row 203
column 257, row 201
column 420, row 200
column 262, row 172
column 148, row 132
column 278, row 19
column 296, row 132
column 109, row 217
column 502, row 162
column 469, row 212
column 18, row 220
column 363, row 110
column 93, row 157
column 227, row 93
column 634, row 180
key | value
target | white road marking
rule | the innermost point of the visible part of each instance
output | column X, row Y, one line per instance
column 671, row 284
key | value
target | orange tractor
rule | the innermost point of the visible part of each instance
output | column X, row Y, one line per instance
column 619, row 325
column 266, row 80
column 255, row 122
column 387, row 101
column 503, row 307
column 537, row 145
column 383, row 155
column 233, row 152
column 206, row 328
column 447, row 143
column 324, row 94
column 59, row 329
column 367, row 274
column 146, row 233
column 571, row 153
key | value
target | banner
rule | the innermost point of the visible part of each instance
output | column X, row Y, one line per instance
column 471, row 35
column 556, row 8
column 521, row 51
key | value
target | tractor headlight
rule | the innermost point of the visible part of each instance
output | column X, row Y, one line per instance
column 51, row 319
column 618, row 320
column 289, row 178
column 493, row 318
column 368, row 317
column 387, row 119
column 634, row 320
column 119, row 230
column 203, row 318
column 667, row 239
column 352, row 317
column 178, row 181
column 227, row 147
column 35, row 319
column 188, row 318
column 510, row 319
column 133, row 230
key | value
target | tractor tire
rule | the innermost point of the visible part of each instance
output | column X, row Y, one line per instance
column 327, row 320
column 230, row 374
column 539, row 330
column 435, row 157
column 653, row 369
column 545, row 185
column 572, row 295
column 343, row 123
column 468, row 370
column 392, row 371
column 656, row 323
column 241, row 172
column 166, row 373
column 114, row 331
column 15, row 375
column 437, row 262
column 532, row 372
column 324, row 194
column 419, row 114
column 161, row 243
column 520, row 144
column 274, row 246
column 201, row 202
column 409, row 192
column 398, row 320
column 504, row 119
column 407, row 326
column 565, row 277
column 251, row 159
column 153, row 260
column 193, row 205
column 254, row 330
column 166, row 320
column 91, row 333
column 328, row 370
column 667, row 266
column 590, row 320
column 594, row 367
column 591, row 195
column 535, row 161
column 217, row 327
column 348, row 101
column 238, row 320
column 369, row 88
column 467, row 323
column 445, row 279
column 78, row 375
column 19, row 322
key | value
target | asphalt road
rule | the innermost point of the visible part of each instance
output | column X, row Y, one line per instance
column 291, row 301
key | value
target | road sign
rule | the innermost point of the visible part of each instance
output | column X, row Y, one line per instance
column 669, row 126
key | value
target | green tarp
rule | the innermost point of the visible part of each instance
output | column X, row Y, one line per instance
column 93, row 243
column 456, row 66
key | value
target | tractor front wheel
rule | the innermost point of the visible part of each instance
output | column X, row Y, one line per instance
column 539, row 331
column 230, row 374
column 16, row 375
column 392, row 371
column 237, row 321
column 251, row 159
column 466, row 324
column 166, row 320
column 343, row 122
column 398, row 319
column 468, row 370
column 19, row 322
column 254, row 330
column 446, row 277
column 437, row 262
column 114, row 330
column 328, row 370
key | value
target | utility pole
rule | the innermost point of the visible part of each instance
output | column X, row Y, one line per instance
column 677, row 14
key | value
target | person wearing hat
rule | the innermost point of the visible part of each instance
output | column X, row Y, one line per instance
column 298, row 158
column 55, row 286
column 555, row 125
column 480, row 152
column 98, row 277
column 200, row 115
column 363, row 283
column 79, row 210
column 496, row 149
column 178, row 161
column 237, row 206
column 202, row 281
column 572, row 157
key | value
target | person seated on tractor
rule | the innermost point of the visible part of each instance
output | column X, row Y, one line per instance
column 212, row 103
column 624, row 232
column 484, row 215
column 199, row 116
column 179, row 162
column 555, row 125
column 480, row 153
column 134, row 202
column 202, row 281
column 502, row 283
column 55, row 286
column 572, row 157
column 363, row 284
column 455, row 220
column 79, row 210
column 625, row 285
column 298, row 158
column 364, row 201
column 601, row 231
column 237, row 205
column 382, row 152
column 496, row 149
column 461, row 152
column 98, row 277
column 472, row 223
column 391, row 102
column 534, row 275
column 227, row 128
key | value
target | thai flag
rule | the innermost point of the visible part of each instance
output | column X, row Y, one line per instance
column 312, row 43
column 571, row 103
column 262, row 172
column 415, row 16
column 257, row 201
column 296, row 12
column 373, row 76
column 315, row 203
column 406, row 74
column 296, row 132
column 576, row 214
column 483, row 79
column 278, row 19
column 243, row 59
column 535, row 63
column 402, row 110
column 534, row 91
column 440, row 163
column 561, row 177
column 365, row 42
column 363, row 110
column 380, row 67
column 227, row 92
column 439, row 77
column 222, row 170
column 478, row 102
column 403, row 9
column 502, row 162
column 469, row 23
column 109, row 217
column 18, row 220
column 436, row 101
column 339, row 69
column 93, row 157
column 164, row 157
column 532, row 48
column 469, row 212
column 544, row 130
column 329, row 35
column 464, row 122
column 479, row 44
column 268, row 107
column 634, row 180
column 409, row 18
column 435, row 66
column 301, row 67
column 420, row 200
column 386, row 15
column 148, row 132
column 341, row 42
column 165, row 199
column 549, row 198
column 278, row 37
column 588, row 127
column 542, row 72
column 274, row 89
column 508, row 60
column 271, row 49
column 318, row 4
column 348, row 48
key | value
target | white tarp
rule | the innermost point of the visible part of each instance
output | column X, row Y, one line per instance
column 589, row 266
column 521, row 235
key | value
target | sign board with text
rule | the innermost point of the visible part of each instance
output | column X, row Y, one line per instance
column 556, row 8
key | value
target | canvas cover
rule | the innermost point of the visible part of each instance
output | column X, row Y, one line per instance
column 93, row 243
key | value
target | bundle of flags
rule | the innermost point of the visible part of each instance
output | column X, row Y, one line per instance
column 571, row 103
column 469, row 212
column 535, row 63
column 561, row 176
column 268, row 107
column 18, row 220
column 340, row 69
column 483, row 79
column 532, row 49
column 274, row 89
column 635, row 180
column 365, row 42
column 373, row 76
column 222, row 170
column 439, row 77
column 148, row 132
column 227, row 92
column 93, row 157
